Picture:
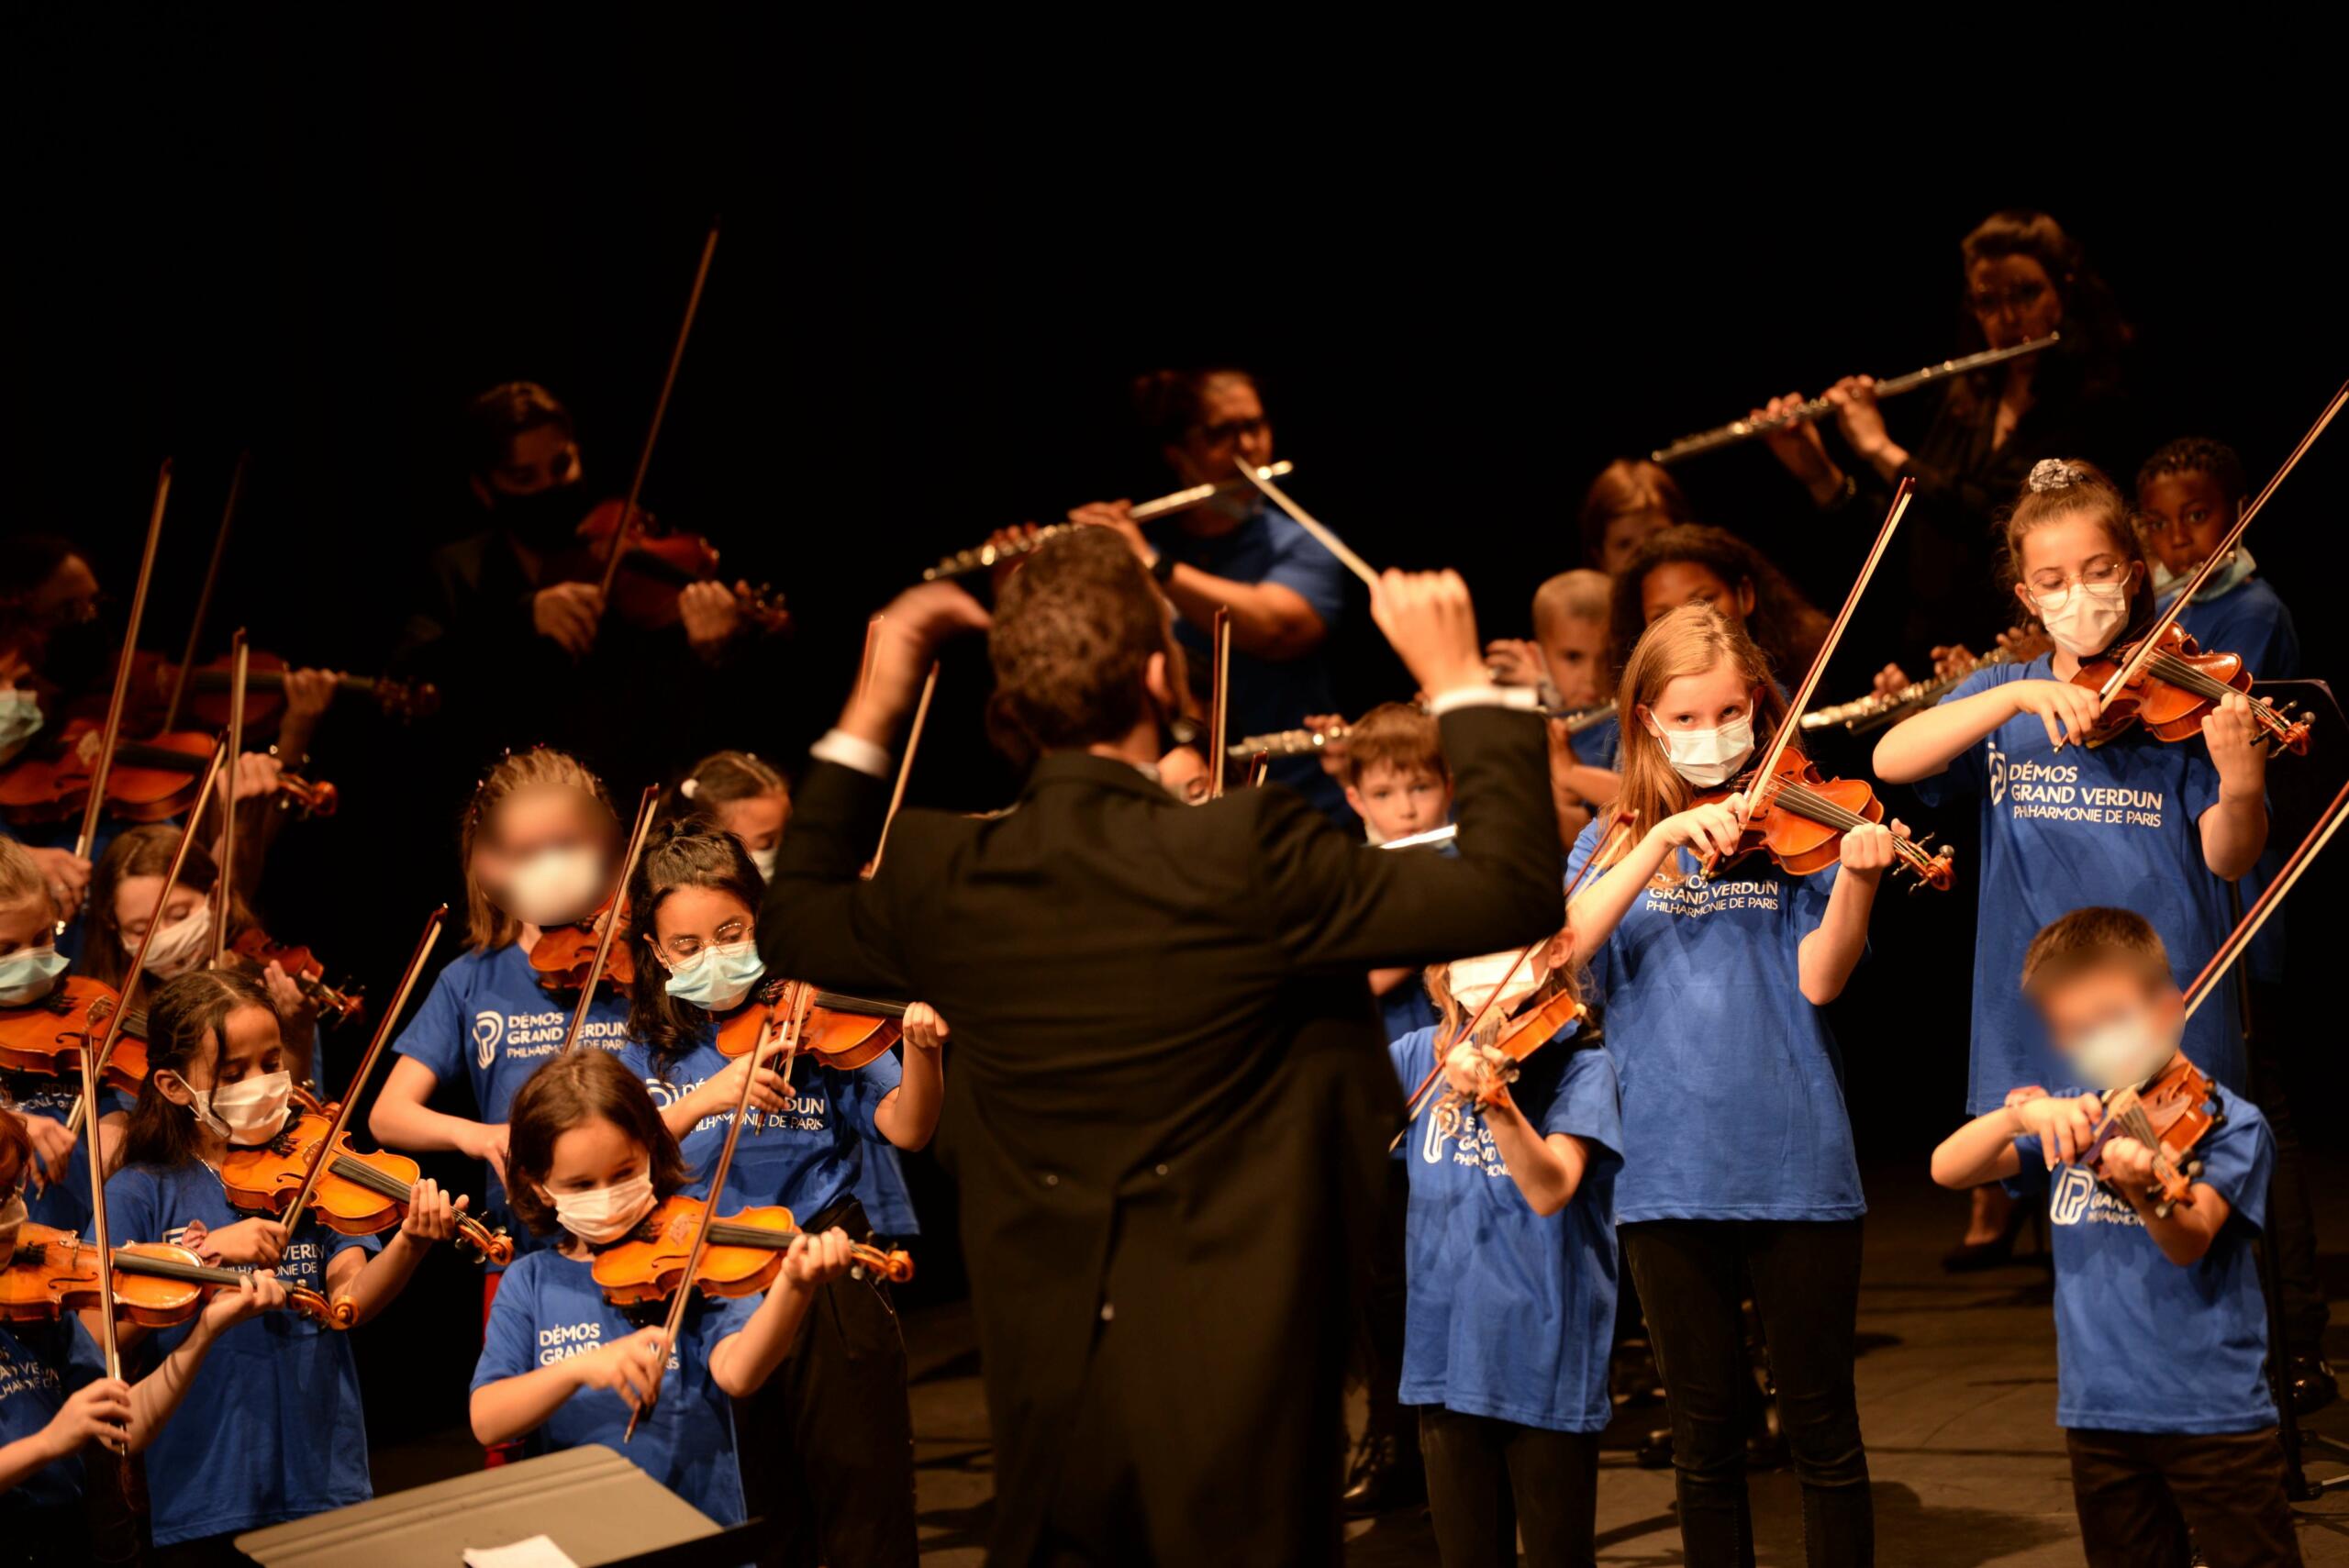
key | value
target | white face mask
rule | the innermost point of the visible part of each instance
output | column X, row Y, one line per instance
column 248, row 1111
column 2168, row 584
column 2085, row 622
column 604, row 1214
column 1472, row 981
column 13, row 1215
column 2125, row 1051
column 176, row 949
column 764, row 860
column 554, row 886
column 29, row 976
column 1707, row 758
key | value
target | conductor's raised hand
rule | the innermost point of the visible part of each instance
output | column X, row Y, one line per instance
column 913, row 626
column 1431, row 625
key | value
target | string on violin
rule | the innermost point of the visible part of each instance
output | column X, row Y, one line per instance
column 613, row 908
column 112, row 732
column 660, row 412
column 204, row 594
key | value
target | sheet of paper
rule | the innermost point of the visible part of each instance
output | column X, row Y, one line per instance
column 535, row 1551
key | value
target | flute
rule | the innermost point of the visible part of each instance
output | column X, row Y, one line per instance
column 1737, row 430
column 963, row 562
column 1304, row 743
column 1878, row 709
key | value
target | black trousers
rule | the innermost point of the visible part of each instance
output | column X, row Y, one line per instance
column 2139, row 1493
column 1379, row 1352
column 1489, row 1480
column 828, row 1443
column 2291, row 1217
column 1692, row 1276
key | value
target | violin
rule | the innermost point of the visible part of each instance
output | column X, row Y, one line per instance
column 1526, row 1033
column 355, row 1194
column 154, row 679
column 148, row 780
column 655, row 565
column 1799, row 817
column 842, row 1032
column 743, row 1255
column 2175, row 685
column 48, row 1036
column 155, row 1285
column 564, row 955
column 257, row 948
column 2169, row 1114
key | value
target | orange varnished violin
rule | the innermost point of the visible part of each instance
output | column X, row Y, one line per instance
column 1526, row 1034
column 563, row 956
column 257, row 948
column 147, row 781
column 2174, row 687
column 155, row 1285
column 842, row 1032
column 743, row 1255
column 48, row 1036
column 2169, row 1115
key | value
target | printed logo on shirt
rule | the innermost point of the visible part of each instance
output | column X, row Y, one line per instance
column 303, row 1263
column 2075, row 1196
column 1998, row 775
column 1477, row 1149
column 1697, row 897
column 2053, row 792
column 488, row 1029
column 30, row 1374
column 805, row 1113
column 525, row 1035
column 561, row 1342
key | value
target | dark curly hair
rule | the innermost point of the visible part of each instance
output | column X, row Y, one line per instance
column 493, row 418
column 1073, row 633
column 1170, row 404
column 574, row 1087
column 2196, row 454
column 692, row 851
column 1786, row 627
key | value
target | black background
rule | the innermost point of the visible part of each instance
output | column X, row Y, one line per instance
column 1466, row 279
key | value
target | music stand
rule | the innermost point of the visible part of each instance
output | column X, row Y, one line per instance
column 599, row 1509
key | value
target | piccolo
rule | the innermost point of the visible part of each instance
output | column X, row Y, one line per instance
column 1737, row 430
column 962, row 563
column 1306, row 743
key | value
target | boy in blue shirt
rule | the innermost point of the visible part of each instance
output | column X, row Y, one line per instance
column 2161, row 1331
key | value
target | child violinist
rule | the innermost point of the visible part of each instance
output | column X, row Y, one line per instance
column 272, row 1428
column 830, row 1442
column 2135, row 823
column 1396, row 779
column 1714, row 991
column 1510, row 1259
column 2161, row 1330
column 560, row 1366
column 539, row 845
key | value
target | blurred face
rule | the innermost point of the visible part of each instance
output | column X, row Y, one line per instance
column 1673, row 584
column 596, row 1154
column 134, row 905
column 692, row 919
column 69, row 597
column 1184, row 774
column 1623, row 538
column 1720, row 695
column 2014, row 299
column 251, row 1051
column 1232, row 428
column 1399, row 802
column 2097, row 999
column 27, row 923
column 534, row 821
column 756, row 822
column 2065, row 557
column 537, row 460
column 1576, row 650
column 2181, row 518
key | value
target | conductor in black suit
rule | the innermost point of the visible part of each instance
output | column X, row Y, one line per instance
column 1167, row 1097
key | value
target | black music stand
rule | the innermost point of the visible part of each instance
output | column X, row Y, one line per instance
column 601, row 1510
column 2298, row 789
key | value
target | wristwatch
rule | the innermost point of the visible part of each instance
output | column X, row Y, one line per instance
column 1162, row 566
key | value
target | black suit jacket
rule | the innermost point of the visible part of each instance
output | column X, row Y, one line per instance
column 1167, row 1105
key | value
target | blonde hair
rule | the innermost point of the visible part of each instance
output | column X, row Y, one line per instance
column 721, row 779
column 20, row 874
column 488, row 926
column 1453, row 1017
column 1571, row 596
column 1690, row 641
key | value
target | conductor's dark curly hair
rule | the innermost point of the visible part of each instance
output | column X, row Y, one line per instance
column 1074, row 632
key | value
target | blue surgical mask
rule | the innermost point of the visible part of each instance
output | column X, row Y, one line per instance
column 2230, row 575
column 717, row 976
column 20, row 719
column 27, row 976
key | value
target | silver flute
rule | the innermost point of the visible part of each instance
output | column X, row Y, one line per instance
column 1306, row 743
column 963, row 562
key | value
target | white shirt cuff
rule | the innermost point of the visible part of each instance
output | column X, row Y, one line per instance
column 1485, row 695
column 852, row 752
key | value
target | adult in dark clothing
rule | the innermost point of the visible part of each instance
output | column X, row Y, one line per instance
column 1168, row 1100
column 2023, row 278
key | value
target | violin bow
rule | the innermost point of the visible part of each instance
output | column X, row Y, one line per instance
column 660, row 412
column 1220, row 700
column 1420, row 1095
column 1262, row 479
column 204, row 594
column 83, row 1103
column 2239, row 939
column 612, row 907
column 349, row 1105
column 905, row 767
column 718, row 1175
column 2149, row 644
column 113, row 730
column 224, row 887
column 109, row 1339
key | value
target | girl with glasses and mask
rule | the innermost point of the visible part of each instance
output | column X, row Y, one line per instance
column 539, row 847
column 563, row 1367
column 829, row 1440
column 272, row 1428
column 1714, row 990
column 2135, row 823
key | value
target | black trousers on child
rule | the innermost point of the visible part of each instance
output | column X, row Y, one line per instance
column 827, row 1444
column 1489, row 1481
column 2139, row 1493
column 1692, row 1276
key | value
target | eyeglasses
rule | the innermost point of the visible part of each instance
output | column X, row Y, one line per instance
column 727, row 936
column 2102, row 572
column 2020, row 297
column 1224, row 430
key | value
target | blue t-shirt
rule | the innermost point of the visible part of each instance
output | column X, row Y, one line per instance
column 1715, row 1048
column 2250, row 621
column 1267, row 695
column 804, row 1158
column 1511, row 1313
column 2140, row 1344
column 548, row 1308
column 881, row 1187
column 1601, row 746
column 270, row 1429
column 65, row 1202
column 488, row 1018
column 2112, row 825
column 41, row 1366
column 1408, row 1009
